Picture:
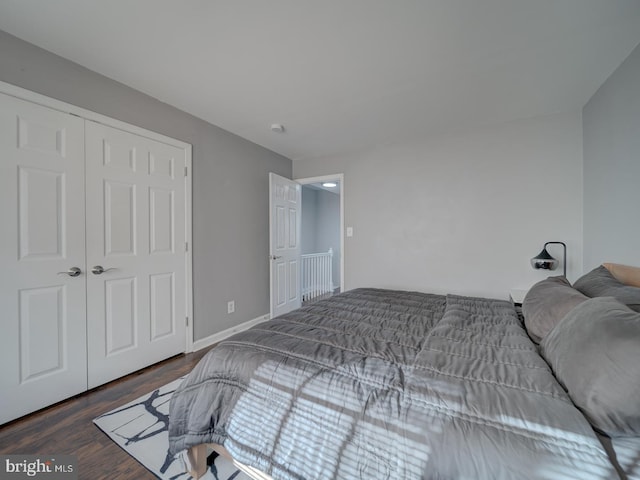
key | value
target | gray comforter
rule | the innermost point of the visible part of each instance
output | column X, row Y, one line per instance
column 377, row 384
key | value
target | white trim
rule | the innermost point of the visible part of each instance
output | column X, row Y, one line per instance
column 43, row 100
column 189, row 253
column 326, row 178
column 270, row 201
column 218, row 337
column 64, row 107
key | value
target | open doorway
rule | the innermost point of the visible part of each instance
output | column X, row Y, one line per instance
column 321, row 237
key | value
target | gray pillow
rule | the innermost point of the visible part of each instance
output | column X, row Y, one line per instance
column 599, row 282
column 546, row 303
column 595, row 353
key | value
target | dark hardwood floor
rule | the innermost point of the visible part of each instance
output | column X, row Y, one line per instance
column 67, row 428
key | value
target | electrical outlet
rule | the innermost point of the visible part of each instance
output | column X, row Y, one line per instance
column 231, row 306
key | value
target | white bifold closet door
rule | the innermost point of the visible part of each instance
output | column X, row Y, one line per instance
column 92, row 254
column 136, row 234
column 42, row 312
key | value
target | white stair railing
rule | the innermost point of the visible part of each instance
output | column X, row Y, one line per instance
column 317, row 275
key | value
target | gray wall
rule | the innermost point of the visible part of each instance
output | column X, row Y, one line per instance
column 328, row 229
column 230, row 180
column 321, row 225
column 308, row 232
column 611, row 123
column 462, row 213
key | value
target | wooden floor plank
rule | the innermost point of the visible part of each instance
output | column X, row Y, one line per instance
column 67, row 428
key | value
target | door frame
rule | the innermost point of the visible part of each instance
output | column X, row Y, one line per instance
column 39, row 99
column 339, row 177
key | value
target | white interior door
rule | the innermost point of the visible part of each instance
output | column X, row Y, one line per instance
column 43, row 336
column 285, row 208
column 136, row 234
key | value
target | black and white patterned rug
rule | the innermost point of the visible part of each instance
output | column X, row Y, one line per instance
column 140, row 428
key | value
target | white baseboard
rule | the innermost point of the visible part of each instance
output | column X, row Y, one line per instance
column 218, row 337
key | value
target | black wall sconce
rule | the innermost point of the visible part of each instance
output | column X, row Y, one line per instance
column 545, row 261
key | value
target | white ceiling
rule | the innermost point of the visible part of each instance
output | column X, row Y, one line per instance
column 318, row 186
column 342, row 75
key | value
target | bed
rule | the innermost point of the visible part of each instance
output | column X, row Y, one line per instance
column 378, row 383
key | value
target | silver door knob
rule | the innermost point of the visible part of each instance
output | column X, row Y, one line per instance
column 274, row 257
column 99, row 270
column 72, row 272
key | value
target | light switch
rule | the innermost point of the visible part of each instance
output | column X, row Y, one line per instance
column 349, row 231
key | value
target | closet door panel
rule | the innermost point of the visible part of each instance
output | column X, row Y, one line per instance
column 136, row 233
column 119, row 218
column 43, row 341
